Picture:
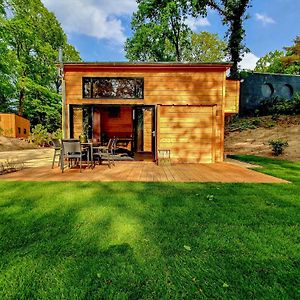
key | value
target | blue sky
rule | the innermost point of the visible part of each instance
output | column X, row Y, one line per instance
column 98, row 28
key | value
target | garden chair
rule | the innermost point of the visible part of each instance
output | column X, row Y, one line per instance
column 72, row 153
column 57, row 151
column 105, row 152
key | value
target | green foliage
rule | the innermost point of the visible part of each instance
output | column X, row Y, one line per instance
column 29, row 82
column 241, row 124
column 205, row 47
column 270, row 63
column 233, row 14
column 279, row 106
column 58, row 134
column 278, row 146
column 160, row 32
column 95, row 240
column 286, row 62
column 292, row 58
column 39, row 135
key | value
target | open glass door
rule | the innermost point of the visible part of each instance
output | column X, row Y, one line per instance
column 144, row 132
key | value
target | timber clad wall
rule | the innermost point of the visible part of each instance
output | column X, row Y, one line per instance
column 232, row 96
column 14, row 126
column 191, row 103
column 188, row 132
column 120, row 126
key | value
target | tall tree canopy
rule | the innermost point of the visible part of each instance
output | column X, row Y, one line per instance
column 271, row 63
column 160, row 30
column 161, row 33
column 205, row 47
column 31, row 36
column 233, row 14
column 286, row 61
column 292, row 58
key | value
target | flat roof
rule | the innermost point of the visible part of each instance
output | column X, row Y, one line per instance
column 146, row 66
column 177, row 64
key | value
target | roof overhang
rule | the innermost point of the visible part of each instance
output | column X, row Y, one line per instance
column 145, row 67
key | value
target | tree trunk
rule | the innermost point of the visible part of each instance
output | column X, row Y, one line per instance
column 21, row 102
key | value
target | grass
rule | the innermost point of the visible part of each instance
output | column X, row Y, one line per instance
column 152, row 240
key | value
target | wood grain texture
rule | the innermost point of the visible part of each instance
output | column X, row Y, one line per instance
column 119, row 126
column 159, row 88
column 232, row 96
column 147, row 130
column 77, row 122
column 188, row 132
column 14, row 126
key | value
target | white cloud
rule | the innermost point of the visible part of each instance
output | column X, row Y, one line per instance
column 95, row 18
column 194, row 23
column 249, row 61
column 264, row 19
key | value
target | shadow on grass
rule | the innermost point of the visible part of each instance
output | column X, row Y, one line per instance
column 148, row 240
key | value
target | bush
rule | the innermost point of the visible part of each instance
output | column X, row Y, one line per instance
column 278, row 146
column 279, row 106
column 39, row 135
column 57, row 134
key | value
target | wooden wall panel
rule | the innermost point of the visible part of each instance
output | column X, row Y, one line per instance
column 205, row 87
column 147, row 130
column 14, row 126
column 188, row 132
column 232, row 96
column 77, row 122
column 159, row 88
column 24, row 125
column 7, row 124
column 120, row 126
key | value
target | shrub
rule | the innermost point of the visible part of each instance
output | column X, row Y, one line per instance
column 57, row 134
column 278, row 146
column 1, row 131
column 278, row 106
column 39, row 135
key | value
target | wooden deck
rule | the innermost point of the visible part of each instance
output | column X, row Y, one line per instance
column 147, row 172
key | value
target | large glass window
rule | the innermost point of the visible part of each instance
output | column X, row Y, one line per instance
column 113, row 87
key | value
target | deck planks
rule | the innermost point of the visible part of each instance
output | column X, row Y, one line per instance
column 140, row 171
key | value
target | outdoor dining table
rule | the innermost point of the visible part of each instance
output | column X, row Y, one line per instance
column 89, row 146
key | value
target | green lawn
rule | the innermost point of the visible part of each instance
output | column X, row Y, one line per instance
column 152, row 240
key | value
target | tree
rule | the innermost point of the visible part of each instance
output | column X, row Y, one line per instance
column 233, row 14
column 160, row 32
column 291, row 60
column 286, row 61
column 271, row 63
column 205, row 47
column 32, row 36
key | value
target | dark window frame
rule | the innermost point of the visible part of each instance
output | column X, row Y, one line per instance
column 90, row 80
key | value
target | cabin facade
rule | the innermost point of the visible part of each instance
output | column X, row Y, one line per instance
column 154, row 108
column 12, row 125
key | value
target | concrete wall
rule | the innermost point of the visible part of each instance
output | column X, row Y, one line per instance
column 259, row 86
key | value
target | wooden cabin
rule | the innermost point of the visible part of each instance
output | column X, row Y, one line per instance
column 156, row 108
column 12, row 125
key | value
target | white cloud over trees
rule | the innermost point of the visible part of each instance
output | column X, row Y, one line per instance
column 96, row 18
